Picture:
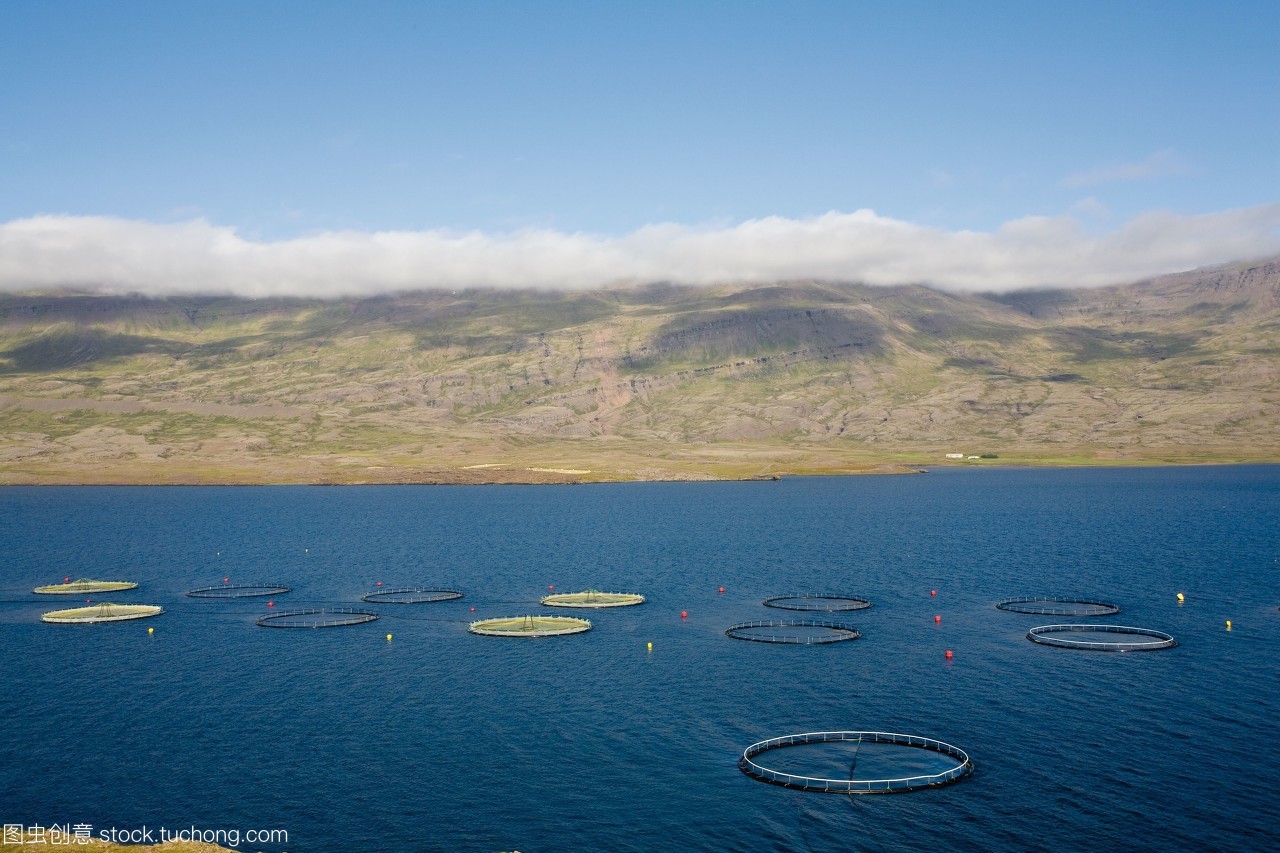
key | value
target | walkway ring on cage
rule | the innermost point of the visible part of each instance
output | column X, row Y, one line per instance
column 817, row 602
column 1041, row 605
column 1158, row 639
column 239, row 590
column 529, row 626
column 324, row 617
column 101, row 613
column 413, row 595
column 592, row 598
column 748, row 765
column 84, row 586
column 812, row 633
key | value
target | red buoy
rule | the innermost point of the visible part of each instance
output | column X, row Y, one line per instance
column 937, row 619
column 551, row 586
column 379, row 583
column 86, row 601
column 933, row 592
column 722, row 590
column 473, row 610
column 684, row 614
column 226, row 580
column 66, row 580
column 271, row 604
column 948, row 654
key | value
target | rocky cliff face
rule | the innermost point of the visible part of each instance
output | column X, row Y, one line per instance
column 655, row 381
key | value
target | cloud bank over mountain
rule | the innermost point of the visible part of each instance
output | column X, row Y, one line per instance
column 105, row 254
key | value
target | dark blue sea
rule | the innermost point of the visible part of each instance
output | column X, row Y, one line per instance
column 442, row 740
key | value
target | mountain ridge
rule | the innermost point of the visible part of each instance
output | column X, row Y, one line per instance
column 655, row 382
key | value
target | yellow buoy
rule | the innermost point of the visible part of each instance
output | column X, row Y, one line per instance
column 388, row 636
column 151, row 630
column 1180, row 598
column 651, row 647
column 1228, row 624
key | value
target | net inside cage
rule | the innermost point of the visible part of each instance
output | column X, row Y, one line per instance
column 1102, row 638
column 337, row 617
column 414, row 595
column 855, row 762
column 805, row 632
column 239, row 590
column 818, row 602
column 1048, row 606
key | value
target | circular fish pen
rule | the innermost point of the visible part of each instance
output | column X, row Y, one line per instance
column 592, row 598
column 1038, row 605
column 529, row 626
column 101, row 613
column 806, row 632
column 817, row 602
column 327, row 617
column 1100, row 638
column 239, row 590
column 415, row 595
column 856, row 762
column 84, row 586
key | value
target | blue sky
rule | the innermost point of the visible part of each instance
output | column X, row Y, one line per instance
column 285, row 121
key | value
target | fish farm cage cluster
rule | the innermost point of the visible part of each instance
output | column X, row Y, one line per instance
column 1099, row 637
column 1105, row 638
column 336, row 617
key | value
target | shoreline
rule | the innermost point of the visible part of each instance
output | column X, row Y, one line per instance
column 605, row 478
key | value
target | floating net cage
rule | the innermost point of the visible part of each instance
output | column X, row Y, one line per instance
column 328, row 617
column 593, row 598
column 83, row 586
column 805, row 632
column 856, row 762
column 239, row 590
column 530, row 626
column 1039, row 605
column 416, row 595
column 1102, row 638
column 820, row 602
column 101, row 613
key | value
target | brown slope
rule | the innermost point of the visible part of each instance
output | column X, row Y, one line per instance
column 651, row 382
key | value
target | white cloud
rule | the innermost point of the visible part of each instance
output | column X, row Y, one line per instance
column 1091, row 208
column 1163, row 163
column 118, row 255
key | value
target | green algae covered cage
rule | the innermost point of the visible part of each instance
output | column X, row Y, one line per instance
column 101, row 613
column 530, row 626
column 84, row 586
column 593, row 598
